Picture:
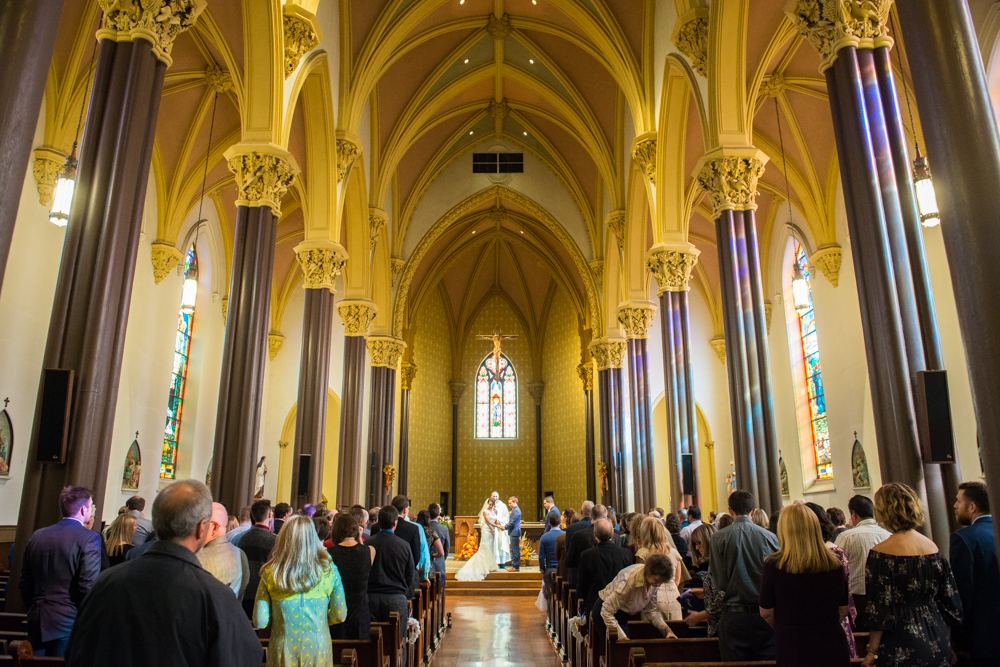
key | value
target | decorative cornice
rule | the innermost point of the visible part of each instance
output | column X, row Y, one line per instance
column 616, row 223
column 263, row 174
column 719, row 345
column 301, row 35
column 586, row 373
column 385, row 351
column 321, row 263
column 644, row 152
column 396, row 266
column 376, row 223
column 48, row 163
column 537, row 389
column 407, row 372
column 218, row 79
column 357, row 316
column 499, row 27
column 274, row 342
column 348, row 150
column 827, row 259
column 499, row 110
column 597, row 271
column 635, row 318
column 608, row 352
column 731, row 182
column 672, row 268
column 830, row 25
column 165, row 257
column 497, row 214
column 159, row 22
column 691, row 38
column 457, row 388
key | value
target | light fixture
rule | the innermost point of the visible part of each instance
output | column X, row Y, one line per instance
column 473, row 231
column 189, row 295
column 466, row 61
column 63, row 197
column 923, row 184
column 470, row 131
column 531, row 60
column 525, row 134
column 800, row 291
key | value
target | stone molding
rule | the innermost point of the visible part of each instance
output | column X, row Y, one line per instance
column 608, row 352
column 407, row 372
column 499, row 27
column 159, row 22
column 348, row 150
column 497, row 214
column 830, row 25
column 616, row 223
column 827, row 260
column 218, row 79
column 731, row 182
column 499, row 110
column 457, row 388
column 263, row 174
column 773, row 86
column 396, row 266
column 537, row 390
column 301, row 35
column 586, row 373
column 597, row 271
column 377, row 219
column 691, row 38
column 672, row 268
column 46, row 167
column 635, row 318
column 274, row 342
column 165, row 257
column 385, row 351
column 719, row 345
column 644, row 153
column 321, row 263
column 357, row 316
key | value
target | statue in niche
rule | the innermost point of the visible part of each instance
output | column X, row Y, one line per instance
column 258, row 484
column 133, row 468
column 731, row 477
column 6, row 443
column 859, row 466
column 783, row 473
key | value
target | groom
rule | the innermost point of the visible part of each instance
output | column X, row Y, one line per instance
column 513, row 528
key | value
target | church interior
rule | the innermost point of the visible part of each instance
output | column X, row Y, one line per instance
column 641, row 252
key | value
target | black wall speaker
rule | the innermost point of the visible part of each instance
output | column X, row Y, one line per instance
column 687, row 474
column 304, row 461
column 53, row 429
column 937, row 440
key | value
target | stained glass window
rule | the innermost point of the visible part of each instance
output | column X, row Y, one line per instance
column 178, row 380
column 496, row 399
column 819, row 430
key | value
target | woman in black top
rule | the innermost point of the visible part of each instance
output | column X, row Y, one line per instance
column 674, row 528
column 120, row 538
column 354, row 562
column 433, row 539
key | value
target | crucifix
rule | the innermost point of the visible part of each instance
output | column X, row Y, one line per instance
column 497, row 337
column 5, row 402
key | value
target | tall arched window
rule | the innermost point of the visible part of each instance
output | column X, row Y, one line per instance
column 496, row 399
column 182, row 351
column 808, row 355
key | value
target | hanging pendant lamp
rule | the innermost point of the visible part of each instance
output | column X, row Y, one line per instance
column 63, row 197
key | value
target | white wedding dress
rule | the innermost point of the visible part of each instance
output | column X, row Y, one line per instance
column 490, row 551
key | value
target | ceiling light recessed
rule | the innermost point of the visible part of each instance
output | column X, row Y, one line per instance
column 531, row 60
column 534, row 2
column 522, row 231
column 525, row 134
column 461, row 2
column 466, row 60
column 473, row 231
column 470, row 131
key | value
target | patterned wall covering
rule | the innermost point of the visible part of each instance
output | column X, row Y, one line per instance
column 564, row 470
column 430, row 407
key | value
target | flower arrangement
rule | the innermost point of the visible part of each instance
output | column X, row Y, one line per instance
column 526, row 553
column 388, row 475
column 470, row 547
column 446, row 521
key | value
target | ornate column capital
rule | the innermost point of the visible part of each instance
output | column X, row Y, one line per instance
column 321, row 263
column 672, row 266
column 456, row 387
column 301, row 33
column 597, row 271
column 537, row 389
column 586, row 373
column 274, row 343
column 608, row 352
column 357, row 316
column 165, row 257
column 218, row 79
column 691, row 37
column 616, row 223
column 263, row 174
column 385, row 351
column 396, row 266
column 827, row 260
column 46, row 167
column 635, row 317
column 830, row 25
column 730, row 177
column 499, row 27
column 407, row 372
column 377, row 219
column 644, row 152
column 719, row 345
column 348, row 150
column 159, row 22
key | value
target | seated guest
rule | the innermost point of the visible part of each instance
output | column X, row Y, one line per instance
column 281, row 512
column 547, row 561
column 803, row 594
column 354, row 561
column 912, row 595
column 246, row 523
column 761, row 519
column 390, row 582
column 701, row 551
column 60, row 565
column 143, row 526
column 633, row 591
column 257, row 544
column 829, row 533
column 221, row 559
column 163, row 608
column 232, row 524
column 856, row 543
column 600, row 564
column 673, row 526
column 974, row 561
column 300, row 596
column 652, row 539
column 838, row 518
column 120, row 538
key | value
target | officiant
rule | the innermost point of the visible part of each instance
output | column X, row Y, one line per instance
column 501, row 545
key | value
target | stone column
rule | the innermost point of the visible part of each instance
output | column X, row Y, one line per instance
column 457, row 388
column 357, row 316
column 537, row 389
column 406, row 374
column 385, row 352
column 263, row 174
column 27, row 37
column 635, row 317
column 954, row 103
column 321, row 263
column 586, row 373
column 672, row 266
column 609, row 354
column 730, row 177
column 91, row 304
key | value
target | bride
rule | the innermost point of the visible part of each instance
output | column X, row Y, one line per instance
column 490, row 547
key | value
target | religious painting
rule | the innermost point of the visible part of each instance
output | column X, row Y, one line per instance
column 133, row 468
column 783, row 473
column 6, row 443
column 859, row 467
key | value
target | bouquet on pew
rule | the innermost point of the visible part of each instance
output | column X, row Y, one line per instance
column 470, row 547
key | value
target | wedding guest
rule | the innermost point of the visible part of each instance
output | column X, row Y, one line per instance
column 549, row 504
column 360, row 515
column 119, row 541
column 652, row 539
column 701, row 550
column 761, row 519
column 232, row 524
column 322, row 526
column 281, row 512
column 633, row 591
column 601, row 563
column 434, row 544
column 354, row 562
column 572, row 555
column 829, row 531
column 569, row 518
column 143, row 527
column 438, row 564
column 694, row 519
column 547, row 561
column 838, row 518
column 223, row 560
column 724, row 521
column 856, row 543
column 390, row 582
column 974, row 560
column 246, row 523
column 257, row 543
column 673, row 526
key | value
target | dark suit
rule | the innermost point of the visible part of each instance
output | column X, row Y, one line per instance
column 439, row 563
column 598, row 566
column 390, row 580
column 61, row 564
column 573, row 559
column 513, row 529
column 410, row 533
column 257, row 543
column 579, row 542
column 974, row 563
column 545, row 519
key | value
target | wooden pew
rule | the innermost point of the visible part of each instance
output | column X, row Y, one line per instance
column 637, row 658
column 392, row 644
column 371, row 652
column 23, row 653
column 420, row 654
column 348, row 658
column 554, row 606
column 571, row 603
column 13, row 622
column 660, row 650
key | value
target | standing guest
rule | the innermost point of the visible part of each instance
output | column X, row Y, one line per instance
column 724, row 520
column 838, row 518
column 308, row 510
column 59, row 568
column 549, row 504
column 738, row 554
column 651, row 539
column 372, row 521
column 974, row 562
column 673, row 527
column 257, row 544
column 803, row 594
column 829, row 532
column 600, row 564
column 633, row 531
column 513, row 529
column 322, row 526
column 572, row 558
column 569, row 518
column 246, row 523
column 232, row 524
column 281, row 512
column 354, row 561
column 547, row 561
column 360, row 515
column 761, row 519
column 856, row 543
column 712, row 516
column 694, row 520
column 434, row 544
column 772, row 525
column 163, row 609
column 912, row 594
column 120, row 534
column 579, row 541
column 300, row 595
column 682, row 515
column 701, row 551
column 633, row 591
column 390, row 582
column 414, row 536
column 221, row 559
column 434, row 510
column 143, row 526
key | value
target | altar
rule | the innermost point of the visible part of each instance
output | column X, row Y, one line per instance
column 464, row 525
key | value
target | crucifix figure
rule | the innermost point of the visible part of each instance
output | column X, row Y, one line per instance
column 497, row 337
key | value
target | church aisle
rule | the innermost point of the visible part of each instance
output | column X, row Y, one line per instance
column 495, row 632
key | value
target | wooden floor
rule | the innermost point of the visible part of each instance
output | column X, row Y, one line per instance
column 495, row 632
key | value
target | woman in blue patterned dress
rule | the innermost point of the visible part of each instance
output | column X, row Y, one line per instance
column 300, row 596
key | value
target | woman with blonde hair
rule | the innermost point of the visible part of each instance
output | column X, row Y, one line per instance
column 652, row 538
column 120, row 538
column 760, row 518
column 912, row 595
column 803, row 594
column 300, row 596
column 701, row 552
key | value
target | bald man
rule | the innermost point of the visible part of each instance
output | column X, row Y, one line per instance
column 220, row 558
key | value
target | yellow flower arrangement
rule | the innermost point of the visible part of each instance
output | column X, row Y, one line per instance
column 388, row 475
column 470, row 547
column 526, row 553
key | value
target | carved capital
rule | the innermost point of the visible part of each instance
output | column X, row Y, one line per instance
column 301, row 35
column 348, row 150
column 499, row 110
column 457, row 388
column 385, row 351
column 499, row 27
column 165, row 257
column 597, row 271
column 497, row 213
column 616, row 223
column 719, row 345
column 537, row 389
column 830, row 25
column 357, row 316
column 608, row 352
column 827, row 260
column 321, row 263
column 635, row 318
column 376, row 223
column 159, row 22
column 773, row 86
column 263, row 174
column 218, row 79
column 644, row 153
column 396, row 265
column 46, row 167
column 274, row 342
column 672, row 268
column 731, row 182
column 691, row 38
column 586, row 373
column 407, row 372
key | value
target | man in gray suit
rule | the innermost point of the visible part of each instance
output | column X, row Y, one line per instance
column 143, row 526
column 438, row 563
